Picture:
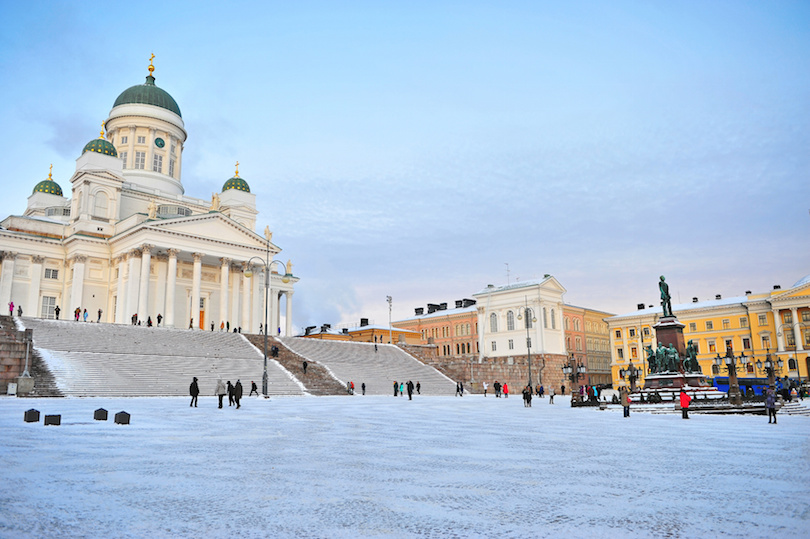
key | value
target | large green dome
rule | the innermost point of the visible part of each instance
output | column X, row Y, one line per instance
column 236, row 183
column 100, row 145
column 148, row 94
column 48, row 186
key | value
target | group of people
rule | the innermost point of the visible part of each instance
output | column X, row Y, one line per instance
column 401, row 387
column 234, row 392
column 11, row 309
column 136, row 322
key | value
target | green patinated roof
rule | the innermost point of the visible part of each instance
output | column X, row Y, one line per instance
column 148, row 94
column 100, row 145
column 236, row 183
column 48, row 186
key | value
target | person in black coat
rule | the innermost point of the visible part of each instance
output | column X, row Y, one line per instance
column 230, row 393
column 194, row 390
column 410, row 390
column 237, row 393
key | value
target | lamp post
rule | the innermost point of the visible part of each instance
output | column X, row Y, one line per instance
column 734, row 395
column 632, row 374
column 267, row 265
column 530, row 320
column 390, row 301
column 770, row 367
column 573, row 371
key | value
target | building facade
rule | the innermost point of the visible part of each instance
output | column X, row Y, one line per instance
column 128, row 244
column 775, row 324
column 454, row 331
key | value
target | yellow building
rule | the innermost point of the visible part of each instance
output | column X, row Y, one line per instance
column 775, row 323
column 365, row 332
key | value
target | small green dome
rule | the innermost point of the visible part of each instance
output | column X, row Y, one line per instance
column 148, row 94
column 48, row 186
column 101, row 146
column 236, row 183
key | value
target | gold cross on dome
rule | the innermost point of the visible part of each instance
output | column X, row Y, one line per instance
column 237, row 169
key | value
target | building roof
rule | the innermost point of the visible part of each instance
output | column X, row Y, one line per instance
column 737, row 300
column 440, row 314
column 102, row 146
column 148, row 94
column 236, row 183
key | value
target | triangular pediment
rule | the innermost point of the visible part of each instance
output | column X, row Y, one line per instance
column 802, row 291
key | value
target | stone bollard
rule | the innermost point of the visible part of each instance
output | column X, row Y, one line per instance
column 122, row 418
column 31, row 416
column 100, row 415
column 53, row 419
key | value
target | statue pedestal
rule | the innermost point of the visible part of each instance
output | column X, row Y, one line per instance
column 669, row 331
column 668, row 386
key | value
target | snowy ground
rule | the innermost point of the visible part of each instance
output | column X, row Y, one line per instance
column 386, row 467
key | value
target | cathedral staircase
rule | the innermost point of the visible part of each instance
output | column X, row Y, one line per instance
column 12, row 354
column 378, row 366
column 89, row 359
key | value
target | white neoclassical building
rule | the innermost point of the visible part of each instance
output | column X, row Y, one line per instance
column 128, row 241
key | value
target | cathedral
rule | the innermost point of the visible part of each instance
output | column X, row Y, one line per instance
column 128, row 246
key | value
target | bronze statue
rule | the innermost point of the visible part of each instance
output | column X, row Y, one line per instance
column 651, row 358
column 661, row 357
column 690, row 362
column 674, row 358
column 666, row 299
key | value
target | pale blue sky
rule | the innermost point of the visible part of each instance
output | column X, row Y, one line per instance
column 412, row 149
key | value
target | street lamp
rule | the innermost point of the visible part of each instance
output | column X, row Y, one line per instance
column 267, row 264
column 734, row 395
column 390, row 301
column 573, row 371
column 632, row 374
column 770, row 367
column 529, row 321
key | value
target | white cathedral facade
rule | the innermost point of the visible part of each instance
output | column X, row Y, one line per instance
column 129, row 242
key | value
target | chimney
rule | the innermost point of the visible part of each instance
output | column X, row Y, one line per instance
column 432, row 308
column 747, row 292
column 442, row 306
column 777, row 287
column 325, row 328
column 640, row 306
column 546, row 276
column 363, row 322
column 419, row 311
column 718, row 296
column 468, row 303
column 694, row 300
column 459, row 303
column 308, row 330
column 345, row 331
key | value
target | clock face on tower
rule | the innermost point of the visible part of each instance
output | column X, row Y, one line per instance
column 159, row 142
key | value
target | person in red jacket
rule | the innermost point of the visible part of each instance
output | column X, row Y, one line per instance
column 505, row 391
column 685, row 400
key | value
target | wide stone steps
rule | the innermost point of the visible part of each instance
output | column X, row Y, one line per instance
column 377, row 366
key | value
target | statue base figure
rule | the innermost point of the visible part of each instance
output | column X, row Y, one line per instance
column 667, row 386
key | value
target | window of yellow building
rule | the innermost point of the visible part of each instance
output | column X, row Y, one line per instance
column 692, row 327
column 726, row 323
column 712, row 347
column 709, row 325
column 633, row 352
column 746, row 343
column 743, row 322
column 618, row 334
column 787, row 316
column 632, row 332
column 620, row 353
column 763, row 319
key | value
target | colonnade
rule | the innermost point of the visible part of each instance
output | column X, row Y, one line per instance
column 795, row 325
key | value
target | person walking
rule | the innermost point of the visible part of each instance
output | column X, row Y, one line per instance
column 562, row 389
column 363, row 388
column 56, row 311
column 770, row 404
column 418, row 388
column 149, row 321
column 98, row 321
column 526, row 397
column 685, row 400
column 253, row 389
column 305, row 366
column 505, row 391
column 484, row 384
column 402, row 389
column 230, row 393
column 159, row 319
column 410, row 390
column 194, row 390
column 11, row 308
column 458, row 388
column 237, row 394
column 497, row 387
column 551, row 396
column 19, row 311
column 624, row 396
column 85, row 315
column 541, row 392
column 529, row 396
column 220, row 391
column 396, row 388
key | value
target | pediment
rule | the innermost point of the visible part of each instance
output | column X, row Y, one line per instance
column 802, row 291
column 214, row 225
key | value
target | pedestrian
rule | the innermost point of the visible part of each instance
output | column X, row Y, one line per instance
column 11, row 308
column 396, row 388
column 237, row 394
column 685, row 400
column 542, row 392
column 76, row 314
column 305, row 366
column 418, row 388
column 228, row 326
column 505, row 391
column 220, row 391
column 85, row 315
column 212, row 326
column 562, row 390
column 253, row 389
column 402, row 389
column 497, row 387
column 194, row 390
column 458, row 388
column 261, row 329
column 624, row 396
column 99, row 317
column 410, row 390
column 221, row 325
column 551, row 396
column 19, row 310
column 159, row 319
column 485, row 388
column 351, row 385
column 230, row 393
column 375, row 347
column 56, row 311
column 770, row 404
column 363, row 388
column 149, row 321
column 527, row 396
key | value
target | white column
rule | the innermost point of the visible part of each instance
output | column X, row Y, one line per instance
column 797, row 332
column 143, row 291
column 246, row 320
column 133, row 282
column 237, row 278
column 6, row 278
column 77, row 287
column 171, row 287
column 159, row 306
column 288, row 325
column 195, row 290
column 258, row 305
column 225, row 265
column 150, row 142
column 36, row 282
column 130, row 149
column 780, row 338
column 120, row 312
column 273, row 308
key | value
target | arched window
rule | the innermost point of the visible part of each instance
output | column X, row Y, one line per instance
column 553, row 320
column 510, row 320
column 565, row 323
column 467, row 329
column 529, row 316
column 545, row 318
column 493, row 323
column 576, row 324
column 100, row 205
column 791, row 364
column 579, row 344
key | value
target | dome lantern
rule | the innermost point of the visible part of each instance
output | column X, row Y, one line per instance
column 48, row 186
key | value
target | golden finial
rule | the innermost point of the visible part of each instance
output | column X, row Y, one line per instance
column 50, row 172
column 101, row 135
column 151, row 67
column 237, row 170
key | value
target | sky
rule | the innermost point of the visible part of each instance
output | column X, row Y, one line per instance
column 423, row 150
column 438, row 467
